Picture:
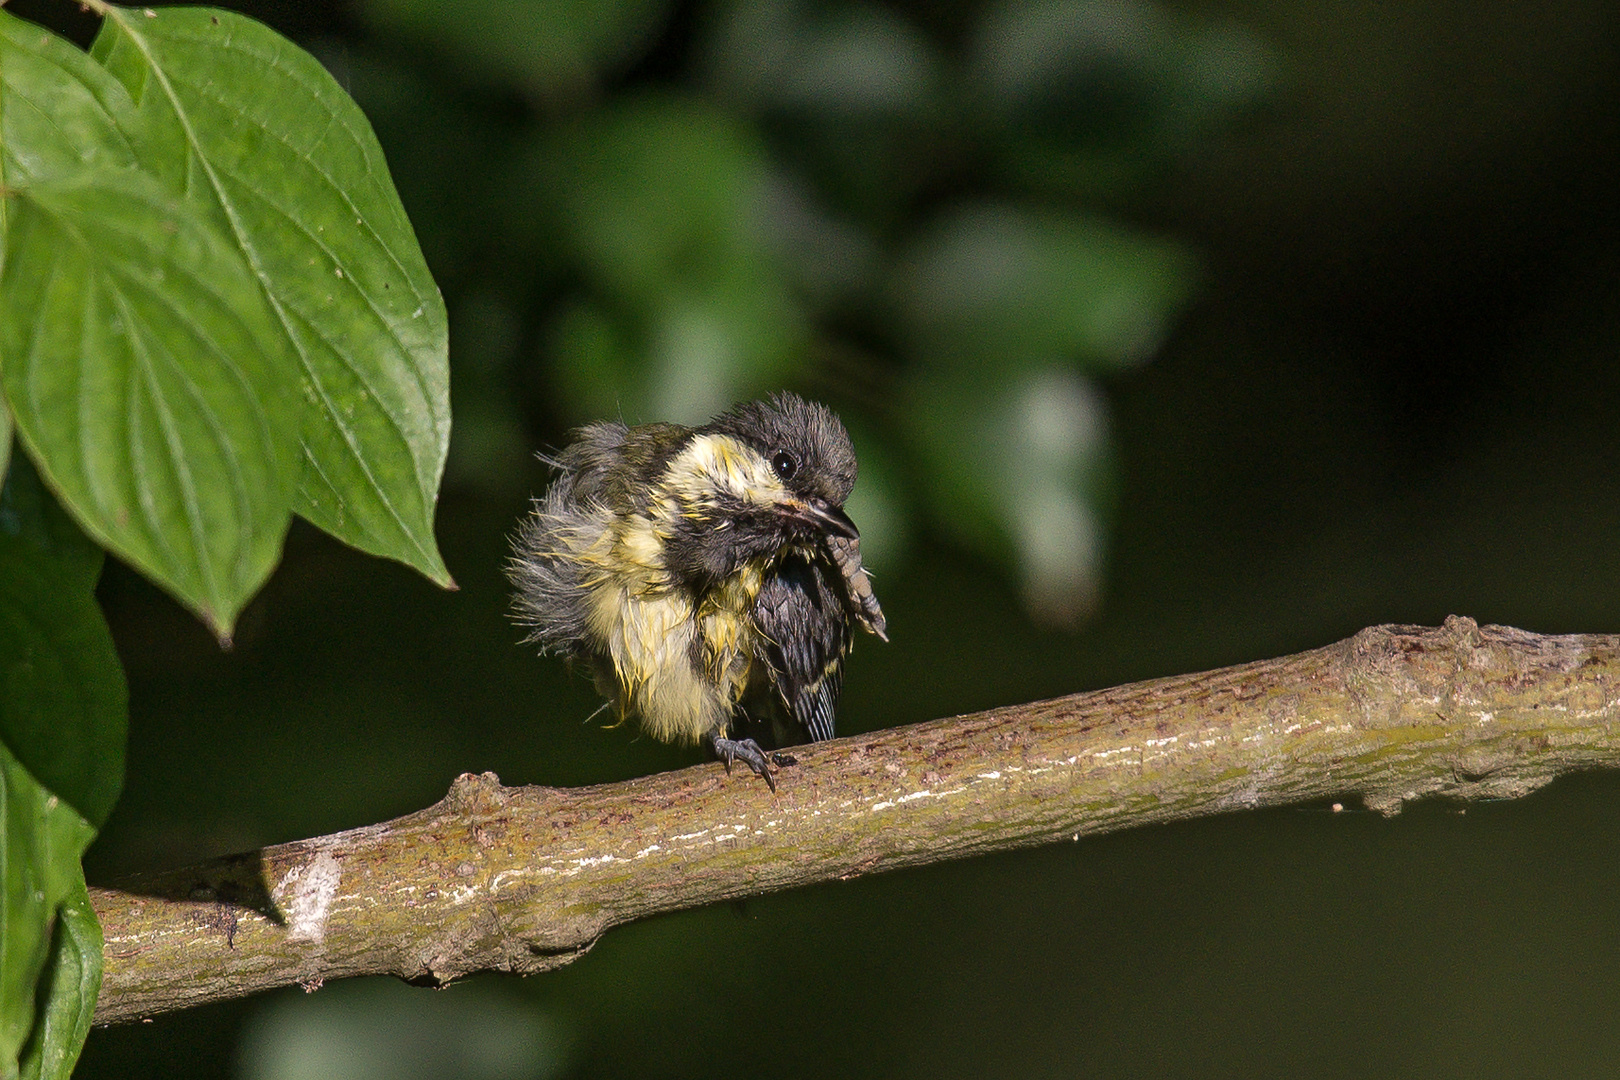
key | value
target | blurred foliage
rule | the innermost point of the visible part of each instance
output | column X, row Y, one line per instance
column 379, row 1029
column 681, row 308
column 546, row 47
column 837, row 198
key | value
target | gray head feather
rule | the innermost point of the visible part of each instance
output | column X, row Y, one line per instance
column 823, row 457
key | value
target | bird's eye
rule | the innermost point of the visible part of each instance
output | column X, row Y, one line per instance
column 785, row 465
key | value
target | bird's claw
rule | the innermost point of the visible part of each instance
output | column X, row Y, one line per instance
column 749, row 753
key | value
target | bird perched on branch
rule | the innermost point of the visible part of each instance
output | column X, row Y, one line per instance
column 704, row 575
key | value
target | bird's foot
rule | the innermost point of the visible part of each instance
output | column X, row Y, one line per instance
column 749, row 753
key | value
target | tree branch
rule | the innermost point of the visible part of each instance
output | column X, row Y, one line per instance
column 526, row 879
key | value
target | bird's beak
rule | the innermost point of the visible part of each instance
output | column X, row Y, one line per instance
column 819, row 515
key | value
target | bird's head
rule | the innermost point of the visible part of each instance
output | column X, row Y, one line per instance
column 810, row 459
column 756, row 481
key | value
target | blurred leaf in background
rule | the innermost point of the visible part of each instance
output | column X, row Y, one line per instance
column 545, row 46
column 861, row 202
column 1005, row 312
column 684, row 310
column 1083, row 98
column 381, row 1029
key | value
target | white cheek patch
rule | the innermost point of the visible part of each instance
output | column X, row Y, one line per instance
column 719, row 463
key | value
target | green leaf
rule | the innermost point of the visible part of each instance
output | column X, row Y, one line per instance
column 28, row 512
column 63, row 704
column 244, row 122
column 62, row 731
column 67, row 991
column 147, row 384
column 41, row 841
column 61, row 113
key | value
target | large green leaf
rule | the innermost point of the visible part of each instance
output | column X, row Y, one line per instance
column 41, row 840
column 62, row 730
column 140, row 363
column 57, row 113
column 29, row 513
column 62, row 697
column 60, row 112
column 241, row 120
column 67, row 991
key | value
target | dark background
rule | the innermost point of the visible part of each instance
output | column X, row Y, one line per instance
column 1385, row 393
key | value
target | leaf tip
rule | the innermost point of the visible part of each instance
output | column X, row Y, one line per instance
column 430, row 565
column 223, row 630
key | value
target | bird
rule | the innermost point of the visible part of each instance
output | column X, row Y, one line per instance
column 707, row 577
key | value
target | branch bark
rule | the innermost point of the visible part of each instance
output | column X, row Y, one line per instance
column 526, row 879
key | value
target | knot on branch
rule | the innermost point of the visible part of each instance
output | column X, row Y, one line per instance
column 473, row 794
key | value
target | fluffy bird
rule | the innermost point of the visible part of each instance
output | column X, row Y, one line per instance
column 706, row 576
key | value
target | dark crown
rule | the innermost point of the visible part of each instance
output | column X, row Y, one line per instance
column 804, row 441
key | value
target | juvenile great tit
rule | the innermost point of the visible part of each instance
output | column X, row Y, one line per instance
column 705, row 576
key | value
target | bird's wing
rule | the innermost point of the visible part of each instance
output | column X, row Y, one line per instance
column 804, row 636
